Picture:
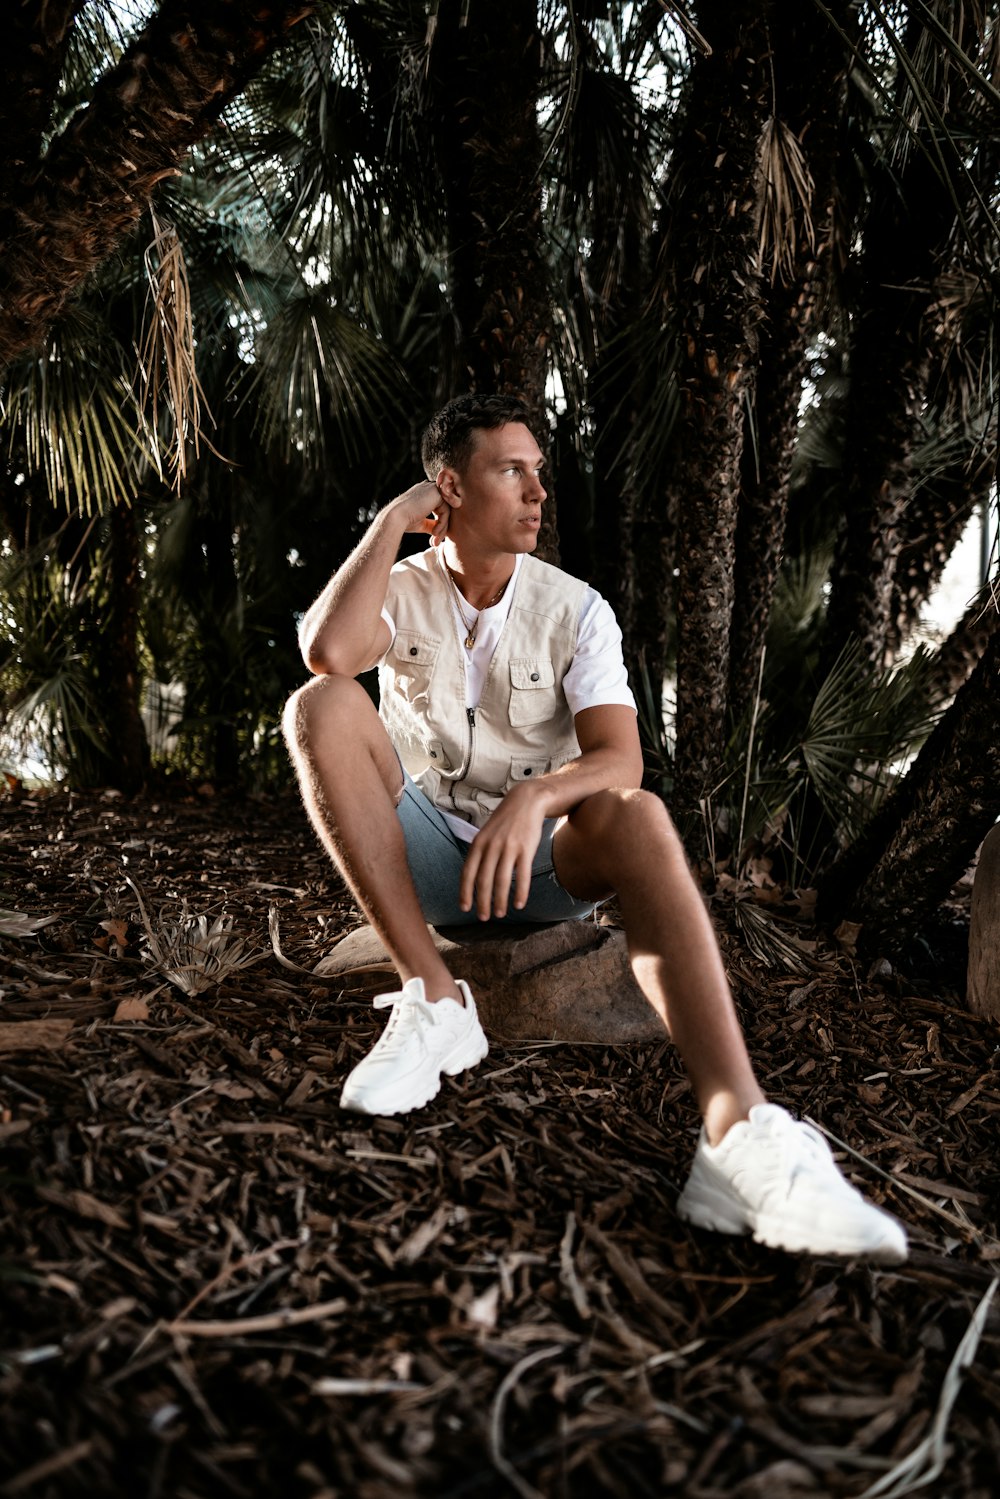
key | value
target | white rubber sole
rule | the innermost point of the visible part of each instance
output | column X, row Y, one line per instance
column 412, row 1093
column 712, row 1208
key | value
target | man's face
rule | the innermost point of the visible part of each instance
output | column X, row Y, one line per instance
column 500, row 490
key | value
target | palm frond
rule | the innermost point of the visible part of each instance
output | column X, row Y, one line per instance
column 316, row 365
column 769, row 942
column 167, row 349
column 786, row 225
column 858, row 727
column 73, row 419
column 929, row 97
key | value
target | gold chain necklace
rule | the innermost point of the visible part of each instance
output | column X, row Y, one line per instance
column 470, row 635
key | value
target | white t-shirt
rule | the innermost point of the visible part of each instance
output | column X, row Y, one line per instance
column 596, row 677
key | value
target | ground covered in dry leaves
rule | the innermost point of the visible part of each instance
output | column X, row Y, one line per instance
column 212, row 1283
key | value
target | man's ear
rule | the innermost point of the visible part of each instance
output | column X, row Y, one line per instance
column 449, row 486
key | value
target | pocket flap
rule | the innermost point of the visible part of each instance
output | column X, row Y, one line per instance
column 419, row 650
column 530, row 672
column 526, row 769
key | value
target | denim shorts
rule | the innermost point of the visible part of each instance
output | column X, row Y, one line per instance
column 436, row 857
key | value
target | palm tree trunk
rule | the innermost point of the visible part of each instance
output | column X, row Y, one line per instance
column 903, row 866
column 966, row 644
column 888, row 370
column 36, row 38
column 810, row 67
column 711, row 272
column 914, row 220
column 630, row 537
column 934, row 523
column 485, row 73
column 69, row 211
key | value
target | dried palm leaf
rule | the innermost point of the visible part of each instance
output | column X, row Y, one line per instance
column 767, row 941
column 190, row 953
column 20, row 924
column 786, row 224
column 168, row 347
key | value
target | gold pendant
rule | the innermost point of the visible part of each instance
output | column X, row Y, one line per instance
column 470, row 641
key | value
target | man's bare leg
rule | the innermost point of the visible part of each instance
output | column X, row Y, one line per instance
column 351, row 781
column 624, row 842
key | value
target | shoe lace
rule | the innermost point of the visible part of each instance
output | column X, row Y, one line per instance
column 802, row 1149
column 407, row 1017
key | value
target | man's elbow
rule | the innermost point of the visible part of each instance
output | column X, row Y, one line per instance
column 329, row 664
column 328, row 661
column 317, row 659
column 320, row 656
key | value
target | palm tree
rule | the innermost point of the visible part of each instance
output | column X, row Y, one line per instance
column 69, row 207
column 544, row 199
column 709, row 274
column 925, row 220
column 802, row 236
column 924, row 837
column 610, row 137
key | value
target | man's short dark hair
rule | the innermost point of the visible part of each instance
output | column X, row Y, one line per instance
column 448, row 439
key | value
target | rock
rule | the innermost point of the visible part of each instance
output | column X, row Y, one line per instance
column 567, row 982
column 983, row 986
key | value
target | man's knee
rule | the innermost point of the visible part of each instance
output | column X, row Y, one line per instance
column 631, row 818
column 324, row 704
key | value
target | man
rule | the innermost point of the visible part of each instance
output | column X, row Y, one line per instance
column 500, row 778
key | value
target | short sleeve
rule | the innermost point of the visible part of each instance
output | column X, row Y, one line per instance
column 597, row 677
column 392, row 634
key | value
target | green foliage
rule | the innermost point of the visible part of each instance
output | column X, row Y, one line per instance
column 48, row 704
column 72, row 418
column 316, row 247
column 859, row 726
column 316, row 366
column 802, row 774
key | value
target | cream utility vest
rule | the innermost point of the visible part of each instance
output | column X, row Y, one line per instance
column 463, row 759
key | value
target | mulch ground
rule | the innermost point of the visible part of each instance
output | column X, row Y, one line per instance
column 213, row 1283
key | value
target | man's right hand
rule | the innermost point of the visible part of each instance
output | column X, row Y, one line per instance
column 423, row 510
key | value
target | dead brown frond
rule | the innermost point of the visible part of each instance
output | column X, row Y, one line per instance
column 190, row 953
column 786, row 224
column 167, row 371
column 768, row 942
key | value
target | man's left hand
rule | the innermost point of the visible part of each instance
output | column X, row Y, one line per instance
column 503, row 851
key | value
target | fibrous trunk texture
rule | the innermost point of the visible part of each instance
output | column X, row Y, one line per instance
column 915, row 220
column 810, row 66
column 36, row 36
column 67, row 213
column 924, row 837
column 964, row 647
column 934, row 523
column 710, row 262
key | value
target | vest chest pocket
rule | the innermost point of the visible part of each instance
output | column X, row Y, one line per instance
column 412, row 659
column 526, row 769
column 532, row 690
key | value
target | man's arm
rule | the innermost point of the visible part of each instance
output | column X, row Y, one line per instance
column 610, row 755
column 343, row 631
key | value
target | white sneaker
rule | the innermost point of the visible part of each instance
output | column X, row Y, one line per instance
column 403, row 1069
column 773, row 1175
